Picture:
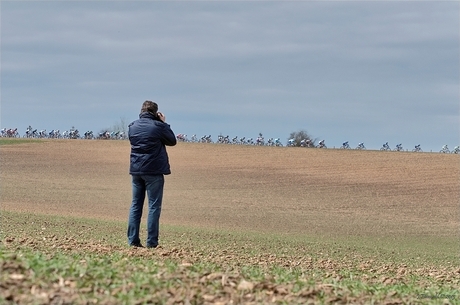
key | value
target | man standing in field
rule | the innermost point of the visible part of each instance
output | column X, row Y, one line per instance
column 149, row 162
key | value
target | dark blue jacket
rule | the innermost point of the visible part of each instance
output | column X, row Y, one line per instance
column 148, row 137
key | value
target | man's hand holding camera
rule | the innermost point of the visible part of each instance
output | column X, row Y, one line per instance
column 161, row 116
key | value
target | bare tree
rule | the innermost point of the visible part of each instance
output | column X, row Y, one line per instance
column 301, row 135
column 121, row 126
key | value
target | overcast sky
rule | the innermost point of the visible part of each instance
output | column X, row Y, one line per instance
column 357, row 71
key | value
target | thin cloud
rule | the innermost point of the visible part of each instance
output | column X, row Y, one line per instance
column 337, row 69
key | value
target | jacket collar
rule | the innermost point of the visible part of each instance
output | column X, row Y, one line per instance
column 147, row 115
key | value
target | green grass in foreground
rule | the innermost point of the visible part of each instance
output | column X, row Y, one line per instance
column 80, row 261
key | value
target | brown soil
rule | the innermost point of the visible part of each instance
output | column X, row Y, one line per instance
column 288, row 190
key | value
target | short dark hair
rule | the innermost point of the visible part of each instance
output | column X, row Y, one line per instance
column 149, row 106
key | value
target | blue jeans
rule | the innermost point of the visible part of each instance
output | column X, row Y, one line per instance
column 153, row 185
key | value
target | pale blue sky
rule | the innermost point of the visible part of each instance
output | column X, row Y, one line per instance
column 357, row 71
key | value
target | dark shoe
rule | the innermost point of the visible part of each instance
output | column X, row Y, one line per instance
column 137, row 245
column 152, row 246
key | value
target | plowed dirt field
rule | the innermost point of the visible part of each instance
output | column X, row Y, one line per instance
column 316, row 192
